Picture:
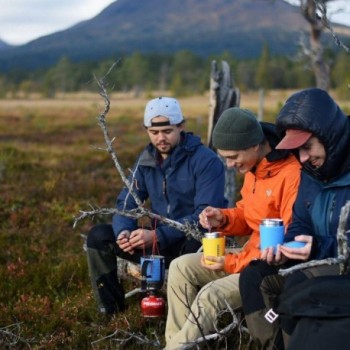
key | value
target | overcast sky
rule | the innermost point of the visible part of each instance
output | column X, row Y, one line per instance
column 24, row 20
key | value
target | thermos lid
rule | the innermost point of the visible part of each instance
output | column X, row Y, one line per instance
column 212, row 234
column 272, row 222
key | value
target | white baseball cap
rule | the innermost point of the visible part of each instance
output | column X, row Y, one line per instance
column 163, row 106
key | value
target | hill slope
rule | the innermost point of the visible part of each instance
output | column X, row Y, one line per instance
column 4, row 45
column 202, row 26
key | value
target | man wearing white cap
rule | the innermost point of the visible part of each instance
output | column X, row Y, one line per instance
column 180, row 177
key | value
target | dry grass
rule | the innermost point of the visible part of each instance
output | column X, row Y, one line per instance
column 122, row 103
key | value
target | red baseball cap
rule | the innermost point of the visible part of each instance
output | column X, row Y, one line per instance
column 294, row 139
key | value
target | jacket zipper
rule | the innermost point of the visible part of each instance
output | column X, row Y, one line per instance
column 331, row 211
column 254, row 184
column 166, row 195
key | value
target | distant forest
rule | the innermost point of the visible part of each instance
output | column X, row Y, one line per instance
column 183, row 74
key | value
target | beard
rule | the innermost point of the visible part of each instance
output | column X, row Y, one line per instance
column 164, row 148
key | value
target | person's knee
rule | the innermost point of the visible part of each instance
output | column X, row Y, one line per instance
column 206, row 294
column 253, row 274
column 294, row 279
column 212, row 295
column 175, row 265
column 181, row 262
column 248, row 274
column 183, row 268
column 99, row 235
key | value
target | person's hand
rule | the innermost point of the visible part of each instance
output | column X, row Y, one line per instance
column 211, row 218
column 123, row 242
column 142, row 238
column 298, row 253
column 219, row 262
column 273, row 258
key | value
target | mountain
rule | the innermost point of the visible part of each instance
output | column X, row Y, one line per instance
column 4, row 45
column 205, row 27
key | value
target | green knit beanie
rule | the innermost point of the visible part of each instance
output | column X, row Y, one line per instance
column 237, row 129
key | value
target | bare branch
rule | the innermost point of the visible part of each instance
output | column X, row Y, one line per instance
column 342, row 238
column 103, row 125
column 322, row 9
column 187, row 303
column 315, row 13
column 189, row 229
column 220, row 334
column 126, row 337
column 10, row 337
column 312, row 263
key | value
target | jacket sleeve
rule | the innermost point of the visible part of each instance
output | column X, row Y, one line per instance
column 302, row 222
column 236, row 223
column 236, row 262
column 288, row 197
column 301, row 219
column 209, row 190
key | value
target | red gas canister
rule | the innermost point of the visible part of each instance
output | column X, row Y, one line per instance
column 153, row 306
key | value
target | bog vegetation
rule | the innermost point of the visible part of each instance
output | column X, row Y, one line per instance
column 50, row 168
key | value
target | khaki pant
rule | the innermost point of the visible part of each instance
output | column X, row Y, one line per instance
column 205, row 292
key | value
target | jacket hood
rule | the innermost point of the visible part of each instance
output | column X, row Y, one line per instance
column 273, row 139
column 315, row 111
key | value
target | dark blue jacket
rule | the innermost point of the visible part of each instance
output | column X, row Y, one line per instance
column 323, row 191
column 189, row 180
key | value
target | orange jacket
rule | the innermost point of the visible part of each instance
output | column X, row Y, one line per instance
column 270, row 192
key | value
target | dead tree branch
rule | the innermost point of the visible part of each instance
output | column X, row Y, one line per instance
column 219, row 334
column 137, row 213
column 10, row 337
column 315, row 13
column 342, row 239
column 186, row 302
column 343, row 250
column 226, row 331
column 126, row 337
column 312, row 263
column 322, row 9
column 109, row 142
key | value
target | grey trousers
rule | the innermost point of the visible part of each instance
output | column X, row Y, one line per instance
column 195, row 298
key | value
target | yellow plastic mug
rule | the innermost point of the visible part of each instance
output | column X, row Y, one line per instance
column 213, row 245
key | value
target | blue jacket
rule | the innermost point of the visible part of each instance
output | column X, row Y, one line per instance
column 323, row 191
column 189, row 180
